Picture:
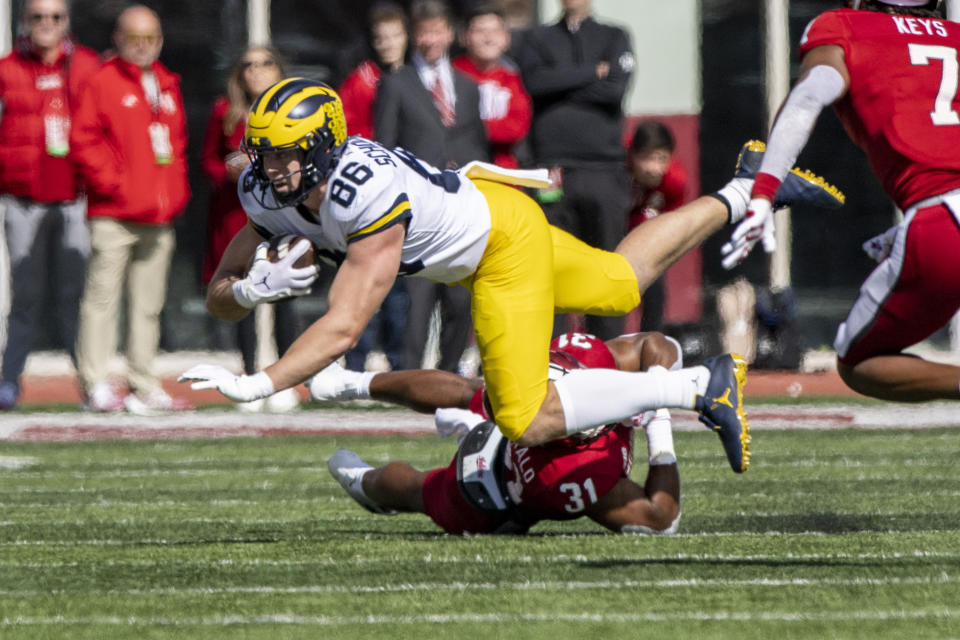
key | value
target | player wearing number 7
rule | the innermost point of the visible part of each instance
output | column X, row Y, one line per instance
column 890, row 69
column 376, row 213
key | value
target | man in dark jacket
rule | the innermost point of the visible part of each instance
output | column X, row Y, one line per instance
column 46, row 233
column 433, row 111
column 576, row 71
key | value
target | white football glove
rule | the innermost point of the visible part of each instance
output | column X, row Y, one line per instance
column 756, row 226
column 879, row 247
column 337, row 383
column 237, row 388
column 271, row 281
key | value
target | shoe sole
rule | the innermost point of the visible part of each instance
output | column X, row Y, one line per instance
column 834, row 199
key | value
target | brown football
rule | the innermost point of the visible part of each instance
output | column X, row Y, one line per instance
column 279, row 246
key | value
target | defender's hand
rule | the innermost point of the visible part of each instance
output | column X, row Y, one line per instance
column 879, row 247
column 337, row 383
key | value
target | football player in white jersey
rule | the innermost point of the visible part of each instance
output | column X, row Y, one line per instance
column 377, row 213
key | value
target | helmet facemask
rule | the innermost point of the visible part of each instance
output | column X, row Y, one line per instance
column 318, row 156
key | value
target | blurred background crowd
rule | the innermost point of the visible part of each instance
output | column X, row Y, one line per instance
column 118, row 199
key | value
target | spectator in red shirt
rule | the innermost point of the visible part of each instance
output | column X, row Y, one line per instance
column 505, row 105
column 255, row 70
column 659, row 184
column 388, row 36
column 44, row 219
column 130, row 139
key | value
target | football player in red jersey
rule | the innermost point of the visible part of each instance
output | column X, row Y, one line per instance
column 583, row 475
column 890, row 70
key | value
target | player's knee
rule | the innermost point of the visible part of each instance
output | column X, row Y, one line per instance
column 548, row 424
column 532, row 436
column 659, row 350
column 852, row 377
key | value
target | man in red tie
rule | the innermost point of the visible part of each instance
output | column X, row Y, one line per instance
column 433, row 110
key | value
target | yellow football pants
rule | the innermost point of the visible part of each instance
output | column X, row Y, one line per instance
column 529, row 271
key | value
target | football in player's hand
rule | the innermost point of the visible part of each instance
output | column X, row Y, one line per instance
column 279, row 246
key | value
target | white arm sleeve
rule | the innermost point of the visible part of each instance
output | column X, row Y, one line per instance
column 821, row 88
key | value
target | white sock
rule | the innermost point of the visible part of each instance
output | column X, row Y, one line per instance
column 660, row 439
column 594, row 397
column 678, row 363
column 736, row 194
column 357, row 482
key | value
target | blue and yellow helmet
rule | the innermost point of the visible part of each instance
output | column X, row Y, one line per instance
column 300, row 114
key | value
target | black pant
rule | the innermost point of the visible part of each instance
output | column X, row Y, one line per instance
column 388, row 328
column 454, row 322
column 594, row 208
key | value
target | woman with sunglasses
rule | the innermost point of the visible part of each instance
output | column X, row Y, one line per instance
column 255, row 70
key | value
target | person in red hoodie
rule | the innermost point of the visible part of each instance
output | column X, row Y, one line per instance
column 129, row 137
column 505, row 105
column 44, row 218
column 659, row 184
column 388, row 37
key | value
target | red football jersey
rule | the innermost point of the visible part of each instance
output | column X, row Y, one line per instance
column 559, row 480
column 902, row 106
column 589, row 350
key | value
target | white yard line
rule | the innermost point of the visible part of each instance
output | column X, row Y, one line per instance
column 91, row 426
column 503, row 586
column 467, row 618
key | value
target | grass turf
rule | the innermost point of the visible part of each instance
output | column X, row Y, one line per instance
column 852, row 534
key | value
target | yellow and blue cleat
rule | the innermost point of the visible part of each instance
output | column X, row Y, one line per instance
column 721, row 407
column 801, row 186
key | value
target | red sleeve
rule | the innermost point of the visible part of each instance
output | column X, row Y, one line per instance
column 477, row 404
column 83, row 65
column 357, row 99
column 515, row 125
column 674, row 186
column 211, row 157
column 88, row 144
column 827, row 28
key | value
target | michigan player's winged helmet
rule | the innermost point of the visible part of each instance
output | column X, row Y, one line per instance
column 294, row 114
column 932, row 5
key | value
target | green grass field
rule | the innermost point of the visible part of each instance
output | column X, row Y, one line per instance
column 837, row 534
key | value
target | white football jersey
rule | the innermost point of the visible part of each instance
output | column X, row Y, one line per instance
column 373, row 188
